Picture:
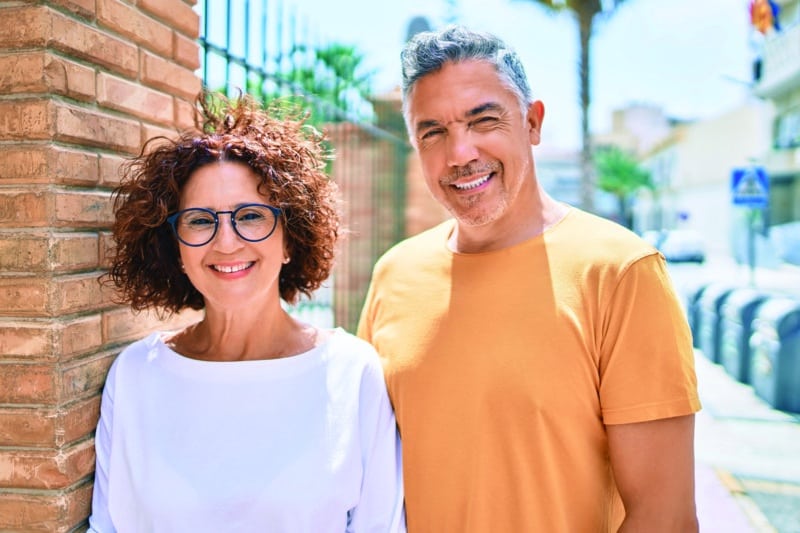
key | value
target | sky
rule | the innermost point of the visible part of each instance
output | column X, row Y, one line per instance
column 692, row 58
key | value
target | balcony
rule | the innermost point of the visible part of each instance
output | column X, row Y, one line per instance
column 780, row 70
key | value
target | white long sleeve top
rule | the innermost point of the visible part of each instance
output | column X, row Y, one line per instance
column 301, row 444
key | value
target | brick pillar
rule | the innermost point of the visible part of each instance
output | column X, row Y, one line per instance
column 82, row 84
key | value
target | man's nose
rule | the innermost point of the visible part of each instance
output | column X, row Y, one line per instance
column 461, row 149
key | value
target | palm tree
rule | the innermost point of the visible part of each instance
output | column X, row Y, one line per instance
column 585, row 13
column 620, row 174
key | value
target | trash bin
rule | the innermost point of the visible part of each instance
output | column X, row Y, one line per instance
column 693, row 311
column 709, row 318
column 735, row 329
column 775, row 353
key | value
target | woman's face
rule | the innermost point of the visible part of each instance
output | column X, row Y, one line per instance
column 229, row 271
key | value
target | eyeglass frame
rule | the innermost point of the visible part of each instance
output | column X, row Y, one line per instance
column 173, row 220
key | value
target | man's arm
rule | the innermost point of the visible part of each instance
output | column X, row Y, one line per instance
column 653, row 465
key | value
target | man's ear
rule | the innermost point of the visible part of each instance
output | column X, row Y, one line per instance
column 535, row 118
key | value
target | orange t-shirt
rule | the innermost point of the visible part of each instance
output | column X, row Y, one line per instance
column 504, row 367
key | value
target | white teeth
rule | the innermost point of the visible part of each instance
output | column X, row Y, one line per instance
column 231, row 269
column 472, row 184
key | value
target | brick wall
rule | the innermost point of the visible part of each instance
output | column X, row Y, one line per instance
column 82, row 84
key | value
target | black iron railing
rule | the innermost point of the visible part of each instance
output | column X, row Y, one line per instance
column 266, row 49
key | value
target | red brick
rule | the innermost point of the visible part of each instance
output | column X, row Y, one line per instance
column 20, row 297
column 74, row 293
column 169, row 77
column 46, row 469
column 40, row 72
column 25, row 340
column 27, row 383
column 22, row 73
column 79, row 336
column 137, row 100
column 186, row 51
column 176, row 13
column 110, row 170
column 26, row 119
column 56, row 511
column 73, row 124
column 85, row 377
column 107, row 247
column 69, row 78
column 23, row 164
column 184, row 115
column 77, row 420
column 26, row 426
column 73, row 251
column 93, row 45
column 72, row 167
column 135, row 25
column 19, row 208
column 83, row 8
column 37, row 163
column 123, row 325
column 83, row 209
column 24, row 27
column 153, row 132
column 21, row 252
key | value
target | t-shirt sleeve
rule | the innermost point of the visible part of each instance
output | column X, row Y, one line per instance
column 100, row 520
column 380, row 507
column 646, row 355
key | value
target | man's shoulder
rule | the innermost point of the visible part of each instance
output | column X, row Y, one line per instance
column 420, row 247
column 588, row 231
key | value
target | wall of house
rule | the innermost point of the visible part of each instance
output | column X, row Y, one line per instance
column 82, row 84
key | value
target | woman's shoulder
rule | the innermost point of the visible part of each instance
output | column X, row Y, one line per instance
column 346, row 348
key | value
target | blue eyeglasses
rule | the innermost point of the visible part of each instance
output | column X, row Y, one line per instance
column 197, row 226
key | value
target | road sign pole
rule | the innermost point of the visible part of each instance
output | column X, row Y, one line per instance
column 751, row 244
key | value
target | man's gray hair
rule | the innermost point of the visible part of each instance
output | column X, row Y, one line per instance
column 428, row 51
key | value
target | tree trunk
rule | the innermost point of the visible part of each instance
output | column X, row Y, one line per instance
column 585, row 20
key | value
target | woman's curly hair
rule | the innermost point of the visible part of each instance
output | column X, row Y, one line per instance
column 285, row 153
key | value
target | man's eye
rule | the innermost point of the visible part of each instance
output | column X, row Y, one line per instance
column 484, row 121
column 430, row 134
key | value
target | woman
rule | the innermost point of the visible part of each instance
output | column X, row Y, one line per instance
column 248, row 420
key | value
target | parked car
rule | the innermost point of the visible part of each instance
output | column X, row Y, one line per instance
column 678, row 245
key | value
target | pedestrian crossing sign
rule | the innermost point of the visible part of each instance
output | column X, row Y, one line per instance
column 750, row 187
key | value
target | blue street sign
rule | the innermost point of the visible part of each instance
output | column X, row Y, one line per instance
column 750, row 187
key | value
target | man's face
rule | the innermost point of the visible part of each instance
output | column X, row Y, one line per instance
column 474, row 142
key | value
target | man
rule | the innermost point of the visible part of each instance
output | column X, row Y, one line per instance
column 537, row 358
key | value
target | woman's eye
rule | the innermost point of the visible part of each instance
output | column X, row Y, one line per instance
column 199, row 221
column 250, row 216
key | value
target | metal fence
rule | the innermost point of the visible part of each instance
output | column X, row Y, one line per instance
column 267, row 49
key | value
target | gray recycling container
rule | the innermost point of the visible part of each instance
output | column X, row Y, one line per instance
column 775, row 353
column 709, row 319
column 736, row 323
column 693, row 311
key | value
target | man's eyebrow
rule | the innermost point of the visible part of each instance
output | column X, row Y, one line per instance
column 483, row 108
column 425, row 124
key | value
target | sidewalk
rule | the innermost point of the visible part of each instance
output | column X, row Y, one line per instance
column 747, row 453
column 747, row 458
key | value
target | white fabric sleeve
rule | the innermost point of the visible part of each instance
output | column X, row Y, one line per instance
column 100, row 520
column 380, row 508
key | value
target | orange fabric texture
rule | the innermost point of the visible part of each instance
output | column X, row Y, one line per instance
column 503, row 368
